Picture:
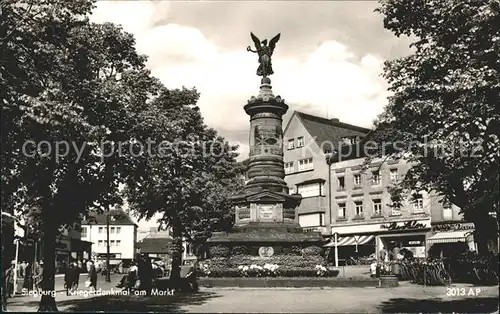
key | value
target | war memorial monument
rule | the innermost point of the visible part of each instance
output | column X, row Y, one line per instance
column 266, row 221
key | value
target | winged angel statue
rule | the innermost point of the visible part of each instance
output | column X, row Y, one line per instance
column 264, row 52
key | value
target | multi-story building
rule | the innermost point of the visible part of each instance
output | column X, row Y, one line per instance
column 349, row 199
column 158, row 244
column 69, row 245
column 451, row 234
column 306, row 140
column 366, row 218
column 122, row 236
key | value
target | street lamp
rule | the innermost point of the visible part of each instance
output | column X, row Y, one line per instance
column 108, row 275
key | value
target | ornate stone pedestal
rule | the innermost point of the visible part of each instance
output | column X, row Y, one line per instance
column 266, row 213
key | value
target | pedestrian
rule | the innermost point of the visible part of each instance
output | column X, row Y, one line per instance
column 382, row 254
column 145, row 274
column 76, row 276
column 68, row 279
column 395, row 252
column 92, row 277
column 28, row 277
column 9, row 279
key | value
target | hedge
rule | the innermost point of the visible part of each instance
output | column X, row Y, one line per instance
column 287, row 260
column 286, row 272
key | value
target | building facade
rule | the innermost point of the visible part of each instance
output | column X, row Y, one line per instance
column 365, row 217
column 351, row 201
column 122, row 236
column 306, row 140
column 450, row 233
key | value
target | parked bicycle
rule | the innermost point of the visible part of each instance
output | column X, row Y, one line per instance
column 359, row 261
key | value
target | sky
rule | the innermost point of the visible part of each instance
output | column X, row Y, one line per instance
column 328, row 61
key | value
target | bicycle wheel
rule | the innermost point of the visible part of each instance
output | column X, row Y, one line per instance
column 349, row 262
column 444, row 277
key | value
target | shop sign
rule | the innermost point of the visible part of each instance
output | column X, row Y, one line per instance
column 404, row 226
column 454, row 227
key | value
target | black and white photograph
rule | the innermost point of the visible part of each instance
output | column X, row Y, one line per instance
column 321, row 156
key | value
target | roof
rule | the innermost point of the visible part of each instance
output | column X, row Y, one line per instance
column 328, row 132
column 155, row 245
column 116, row 217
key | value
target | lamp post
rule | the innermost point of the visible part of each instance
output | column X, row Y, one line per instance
column 108, row 275
column 329, row 161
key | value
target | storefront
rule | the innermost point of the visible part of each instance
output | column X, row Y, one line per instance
column 369, row 239
column 449, row 239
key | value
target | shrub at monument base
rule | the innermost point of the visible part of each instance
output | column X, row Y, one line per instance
column 289, row 272
column 287, row 265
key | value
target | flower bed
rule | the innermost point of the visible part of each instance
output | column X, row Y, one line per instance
column 276, row 266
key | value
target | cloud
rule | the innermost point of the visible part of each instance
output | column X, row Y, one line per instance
column 324, row 76
column 330, row 78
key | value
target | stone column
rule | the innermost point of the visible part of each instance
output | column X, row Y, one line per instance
column 265, row 169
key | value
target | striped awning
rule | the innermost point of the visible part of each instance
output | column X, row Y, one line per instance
column 451, row 237
column 351, row 240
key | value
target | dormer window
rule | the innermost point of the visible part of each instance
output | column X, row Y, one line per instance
column 300, row 141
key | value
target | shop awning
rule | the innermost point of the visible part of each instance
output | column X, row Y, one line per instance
column 450, row 237
column 351, row 240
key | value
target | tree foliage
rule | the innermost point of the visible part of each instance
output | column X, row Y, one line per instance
column 188, row 173
column 82, row 90
column 443, row 113
column 75, row 84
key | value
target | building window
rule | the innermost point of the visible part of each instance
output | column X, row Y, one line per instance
column 289, row 167
column 112, row 230
column 310, row 190
column 84, row 232
column 118, row 229
column 357, row 180
column 112, row 243
column 395, row 209
column 341, row 210
column 101, row 229
column 341, row 183
column 291, row 144
column 447, row 211
column 118, row 242
column 300, row 141
column 306, row 164
column 376, row 178
column 418, row 203
column 394, row 175
column 321, row 220
column 100, row 243
column 377, row 207
column 359, row 208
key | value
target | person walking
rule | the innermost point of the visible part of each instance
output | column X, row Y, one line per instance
column 28, row 277
column 92, row 277
column 76, row 275
column 9, row 279
column 68, row 279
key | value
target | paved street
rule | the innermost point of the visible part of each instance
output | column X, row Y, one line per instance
column 406, row 298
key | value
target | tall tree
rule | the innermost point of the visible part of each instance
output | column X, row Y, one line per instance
column 70, row 91
column 443, row 115
column 188, row 173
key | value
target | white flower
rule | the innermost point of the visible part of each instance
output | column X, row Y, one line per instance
column 240, row 267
